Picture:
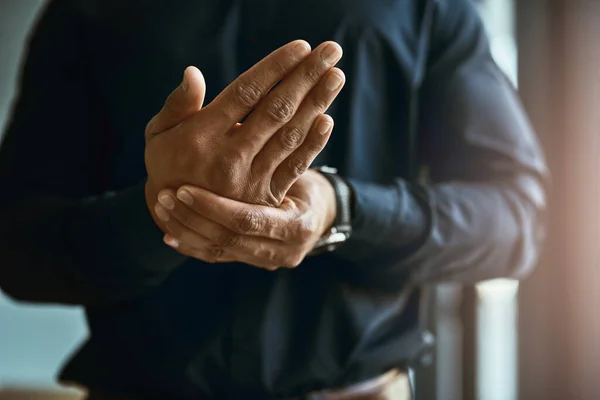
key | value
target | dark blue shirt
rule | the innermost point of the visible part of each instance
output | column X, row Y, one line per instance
column 447, row 175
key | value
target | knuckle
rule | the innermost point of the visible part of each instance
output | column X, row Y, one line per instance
column 297, row 166
column 312, row 74
column 247, row 93
column 234, row 158
column 280, row 109
column 250, row 221
column 290, row 137
column 320, row 105
column 230, row 164
column 215, row 251
column 228, row 240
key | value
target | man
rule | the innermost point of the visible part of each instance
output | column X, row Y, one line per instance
column 439, row 178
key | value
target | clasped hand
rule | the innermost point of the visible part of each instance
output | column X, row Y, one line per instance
column 213, row 228
column 243, row 190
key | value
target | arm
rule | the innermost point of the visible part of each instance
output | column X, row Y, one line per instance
column 481, row 216
column 59, row 240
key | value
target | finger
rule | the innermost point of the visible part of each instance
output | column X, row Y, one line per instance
column 226, row 257
column 190, row 230
column 282, row 102
column 209, row 229
column 188, row 242
column 180, row 234
column 189, row 220
column 199, row 254
column 269, row 257
column 243, row 94
column 229, row 257
column 241, row 218
column 183, row 102
column 291, row 136
column 299, row 161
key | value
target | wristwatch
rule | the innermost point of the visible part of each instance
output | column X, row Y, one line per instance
column 342, row 226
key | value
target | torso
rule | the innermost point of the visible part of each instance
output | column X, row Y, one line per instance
column 282, row 333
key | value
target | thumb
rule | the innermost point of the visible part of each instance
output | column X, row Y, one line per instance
column 183, row 102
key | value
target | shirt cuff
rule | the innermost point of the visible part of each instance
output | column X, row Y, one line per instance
column 388, row 216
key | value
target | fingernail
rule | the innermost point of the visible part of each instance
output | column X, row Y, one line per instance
column 333, row 81
column 166, row 201
column 331, row 53
column 161, row 213
column 300, row 50
column 171, row 241
column 323, row 127
column 185, row 197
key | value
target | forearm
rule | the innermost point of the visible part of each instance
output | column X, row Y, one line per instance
column 98, row 249
column 458, row 231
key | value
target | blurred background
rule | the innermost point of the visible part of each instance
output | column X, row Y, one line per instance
column 34, row 340
column 499, row 340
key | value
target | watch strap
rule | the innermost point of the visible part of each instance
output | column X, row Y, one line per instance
column 342, row 226
column 343, row 218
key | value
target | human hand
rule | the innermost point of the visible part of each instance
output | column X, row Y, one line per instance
column 257, row 161
column 213, row 228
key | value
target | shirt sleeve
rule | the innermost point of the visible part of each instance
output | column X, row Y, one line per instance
column 61, row 238
column 481, row 213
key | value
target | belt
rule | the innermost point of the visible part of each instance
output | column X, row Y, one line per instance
column 394, row 385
